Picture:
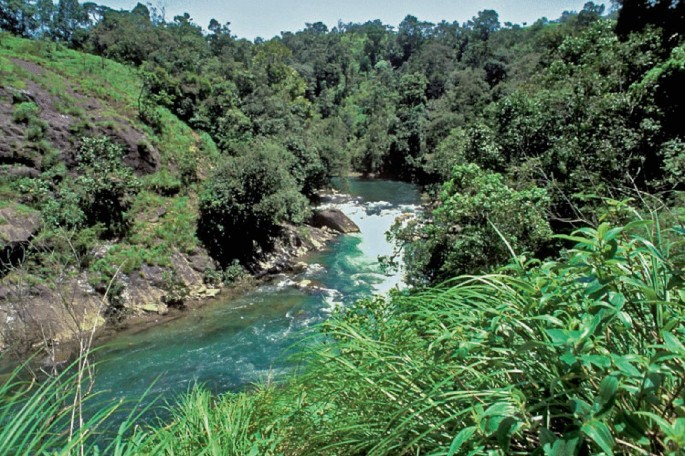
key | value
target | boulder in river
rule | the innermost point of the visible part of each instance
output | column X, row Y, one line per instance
column 335, row 220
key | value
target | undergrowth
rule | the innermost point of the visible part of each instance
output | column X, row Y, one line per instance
column 581, row 355
column 575, row 356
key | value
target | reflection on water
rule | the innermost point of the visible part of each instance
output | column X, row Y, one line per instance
column 229, row 345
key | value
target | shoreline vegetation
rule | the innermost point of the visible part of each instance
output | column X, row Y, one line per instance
column 582, row 352
column 146, row 162
column 286, row 258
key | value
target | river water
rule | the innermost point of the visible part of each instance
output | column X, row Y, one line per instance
column 227, row 346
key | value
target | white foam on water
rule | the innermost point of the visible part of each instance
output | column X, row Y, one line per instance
column 374, row 220
column 314, row 268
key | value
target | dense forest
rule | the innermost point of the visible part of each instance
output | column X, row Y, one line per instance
column 545, row 313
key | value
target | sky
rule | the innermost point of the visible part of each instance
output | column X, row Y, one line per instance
column 268, row 18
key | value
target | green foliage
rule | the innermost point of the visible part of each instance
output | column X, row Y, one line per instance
column 58, row 416
column 100, row 195
column 245, row 201
column 106, row 186
column 65, row 208
column 579, row 355
column 25, row 111
column 225, row 426
column 173, row 230
column 308, row 168
column 574, row 356
column 479, row 223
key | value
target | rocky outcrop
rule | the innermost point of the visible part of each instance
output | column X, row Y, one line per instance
column 293, row 243
column 53, row 314
column 17, row 225
column 154, row 289
column 335, row 220
column 18, row 171
column 48, row 315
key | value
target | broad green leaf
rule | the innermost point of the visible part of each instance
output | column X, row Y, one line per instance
column 462, row 437
column 504, row 431
column 568, row 358
column 562, row 447
column 672, row 343
column 500, row 408
column 547, row 437
column 607, row 394
column 577, row 240
column 596, row 360
column 607, row 389
column 558, row 336
column 599, row 433
column 580, row 408
column 625, row 366
column 612, row 233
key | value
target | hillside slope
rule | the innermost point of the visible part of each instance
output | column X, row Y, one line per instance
column 51, row 99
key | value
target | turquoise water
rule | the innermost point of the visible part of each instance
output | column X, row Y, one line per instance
column 227, row 346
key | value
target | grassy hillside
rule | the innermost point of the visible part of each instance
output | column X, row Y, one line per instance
column 52, row 100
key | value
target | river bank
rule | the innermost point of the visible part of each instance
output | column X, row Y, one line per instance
column 228, row 345
column 55, row 321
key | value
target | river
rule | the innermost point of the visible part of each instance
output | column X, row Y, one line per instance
column 227, row 346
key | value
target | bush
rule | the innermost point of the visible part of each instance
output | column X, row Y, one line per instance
column 476, row 224
column 245, row 201
column 25, row 111
column 106, row 186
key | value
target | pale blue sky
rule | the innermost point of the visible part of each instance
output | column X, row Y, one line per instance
column 267, row 18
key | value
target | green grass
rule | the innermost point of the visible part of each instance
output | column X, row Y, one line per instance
column 580, row 355
column 174, row 229
column 58, row 416
column 114, row 85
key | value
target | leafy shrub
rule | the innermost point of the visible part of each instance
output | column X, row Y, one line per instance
column 101, row 194
column 64, row 209
column 25, row 111
column 233, row 273
column 36, row 130
column 176, row 291
column 245, row 201
column 477, row 221
column 106, row 186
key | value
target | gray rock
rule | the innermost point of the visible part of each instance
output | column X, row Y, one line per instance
column 18, row 171
column 335, row 220
column 17, row 226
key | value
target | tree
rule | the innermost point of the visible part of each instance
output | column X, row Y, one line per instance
column 45, row 9
column 243, row 204
column 477, row 217
column 411, row 35
column 18, row 17
column 69, row 18
column 484, row 24
column 407, row 148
